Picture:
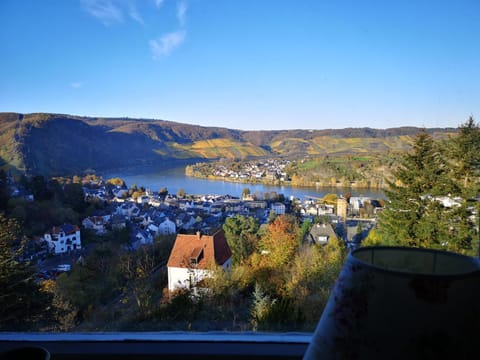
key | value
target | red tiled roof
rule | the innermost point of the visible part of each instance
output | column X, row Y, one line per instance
column 66, row 228
column 98, row 220
column 215, row 250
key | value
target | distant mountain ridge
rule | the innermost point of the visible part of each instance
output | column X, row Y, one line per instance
column 57, row 144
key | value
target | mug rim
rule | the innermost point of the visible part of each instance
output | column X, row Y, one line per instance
column 473, row 262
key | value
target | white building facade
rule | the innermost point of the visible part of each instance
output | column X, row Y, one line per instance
column 64, row 238
column 193, row 257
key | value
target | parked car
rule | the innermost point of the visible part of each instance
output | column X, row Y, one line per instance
column 64, row 267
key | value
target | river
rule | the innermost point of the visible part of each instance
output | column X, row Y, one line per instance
column 174, row 179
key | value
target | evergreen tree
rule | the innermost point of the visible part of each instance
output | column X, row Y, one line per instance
column 465, row 153
column 22, row 304
column 39, row 188
column 240, row 232
column 415, row 181
column 74, row 197
column 415, row 216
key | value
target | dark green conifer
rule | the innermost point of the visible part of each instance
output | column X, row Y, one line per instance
column 432, row 171
column 22, row 304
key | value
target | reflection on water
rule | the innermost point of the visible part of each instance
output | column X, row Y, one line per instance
column 174, row 179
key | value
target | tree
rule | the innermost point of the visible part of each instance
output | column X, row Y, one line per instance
column 330, row 199
column 271, row 217
column 240, row 232
column 408, row 194
column 181, row 193
column 74, row 197
column 38, row 186
column 359, row 228
column 266, row 196
column 245, row 192
column 280, row 241
column 304, row 230
column 373, row 238
column 116, row 182
column 136, row 194
column 465, row 153
column 22, row 304
column 136, row 269
column 311, row 275
column 415, row 216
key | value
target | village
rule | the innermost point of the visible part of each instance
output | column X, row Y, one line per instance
column 150, row 215
column 268, row 170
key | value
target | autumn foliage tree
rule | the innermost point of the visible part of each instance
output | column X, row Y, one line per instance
column 280, row 242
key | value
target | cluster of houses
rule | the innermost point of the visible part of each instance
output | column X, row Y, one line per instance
column 271, row 170
column 151, row 215
column 196, row 220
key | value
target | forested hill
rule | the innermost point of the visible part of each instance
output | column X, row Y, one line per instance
column 56, row 144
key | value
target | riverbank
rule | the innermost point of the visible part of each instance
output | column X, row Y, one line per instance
column 356, row 185
column 341, row 172
column 175, row 179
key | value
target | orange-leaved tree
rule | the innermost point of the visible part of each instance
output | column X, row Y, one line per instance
column 280, row 242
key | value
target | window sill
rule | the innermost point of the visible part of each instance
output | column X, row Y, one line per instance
column 172, row 345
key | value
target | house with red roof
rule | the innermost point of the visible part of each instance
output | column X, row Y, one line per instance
column 193, row 258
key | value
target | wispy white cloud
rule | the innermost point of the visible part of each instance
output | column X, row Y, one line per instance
column 103, row 10
column 134, row 14
column 76, row 84
column 118, row 11
column 167, row 43
column 164, row 46
column 182, row 12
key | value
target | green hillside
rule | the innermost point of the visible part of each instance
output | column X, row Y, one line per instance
column 55, row 144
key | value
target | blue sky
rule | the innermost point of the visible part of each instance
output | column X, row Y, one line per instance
column 245, row 64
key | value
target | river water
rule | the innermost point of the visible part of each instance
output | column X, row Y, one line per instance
column 174, row 179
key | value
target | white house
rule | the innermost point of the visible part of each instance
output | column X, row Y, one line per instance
column 118, row 222
column 96, row 223
column 120, row 193
column 185, row 221
column 449, row 202
column 278, row 208
column 356, row 202
column 128, row 209
column 193, row 257
column 144, row 199
column 167, row 227
column 142, row 237
column 154, row 202
column 63, row 238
